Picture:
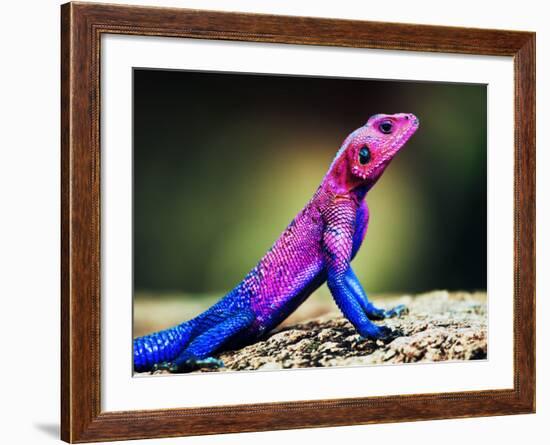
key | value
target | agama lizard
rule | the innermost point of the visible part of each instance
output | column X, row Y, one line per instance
column 317, row 246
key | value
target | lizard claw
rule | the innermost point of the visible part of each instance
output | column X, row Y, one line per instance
column 201, row 363
column 188, row 365
column 210, row 363
column 397, row 311
column 385, row 333
column 375, row 313
column 162, row 366
column 382, row 333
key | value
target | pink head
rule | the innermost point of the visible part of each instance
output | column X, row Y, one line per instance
column 367, row 151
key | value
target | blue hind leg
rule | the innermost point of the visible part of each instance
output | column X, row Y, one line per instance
column 160, row 346
column 199, row 352
column 370, row 309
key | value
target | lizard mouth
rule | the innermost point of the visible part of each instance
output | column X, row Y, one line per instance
column 402, row 139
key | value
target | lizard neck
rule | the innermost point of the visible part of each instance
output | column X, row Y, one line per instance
column 339, row 181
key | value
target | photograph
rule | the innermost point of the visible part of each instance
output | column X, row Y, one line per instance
column 284, row 222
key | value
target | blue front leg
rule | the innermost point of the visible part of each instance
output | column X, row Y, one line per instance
column 353, row 310
column 342, row 282
column 370, row 309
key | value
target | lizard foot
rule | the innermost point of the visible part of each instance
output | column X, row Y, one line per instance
column 163, row 366
column 375, row 313
column 382, row 333
column 189, row 365
column 208, row 363
column 397, row 311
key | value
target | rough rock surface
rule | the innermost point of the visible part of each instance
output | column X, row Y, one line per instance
column 439, row 326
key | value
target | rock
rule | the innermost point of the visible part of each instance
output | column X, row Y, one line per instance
column 439, row 326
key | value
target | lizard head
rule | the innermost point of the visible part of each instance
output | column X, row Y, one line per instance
column 372, row 147
column 367, row 151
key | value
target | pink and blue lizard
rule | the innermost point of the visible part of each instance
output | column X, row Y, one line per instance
column 316, row 247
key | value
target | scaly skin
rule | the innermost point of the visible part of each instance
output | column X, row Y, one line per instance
column 317, row 246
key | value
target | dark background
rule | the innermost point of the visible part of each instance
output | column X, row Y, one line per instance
column 223, row 162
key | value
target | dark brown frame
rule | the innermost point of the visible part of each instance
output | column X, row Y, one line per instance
column 82, row 25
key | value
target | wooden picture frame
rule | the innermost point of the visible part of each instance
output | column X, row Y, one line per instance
column 82, row 25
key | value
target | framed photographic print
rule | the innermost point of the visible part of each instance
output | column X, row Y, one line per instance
column 275, row 222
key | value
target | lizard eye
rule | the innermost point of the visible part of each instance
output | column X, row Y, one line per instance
column 364, row 155
column 386, row 127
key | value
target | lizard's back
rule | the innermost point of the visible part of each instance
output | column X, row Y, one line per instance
column 290, row 271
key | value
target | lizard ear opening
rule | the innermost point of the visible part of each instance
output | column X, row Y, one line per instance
column 364, row 155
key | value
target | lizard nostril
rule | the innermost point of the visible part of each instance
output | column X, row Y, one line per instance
column 413, row 118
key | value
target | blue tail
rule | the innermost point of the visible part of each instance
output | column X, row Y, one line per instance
column 161, row 346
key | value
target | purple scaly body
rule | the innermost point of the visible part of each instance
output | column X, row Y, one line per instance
column 316, row 247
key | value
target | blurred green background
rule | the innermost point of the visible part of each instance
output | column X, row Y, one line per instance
column 223, row 162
